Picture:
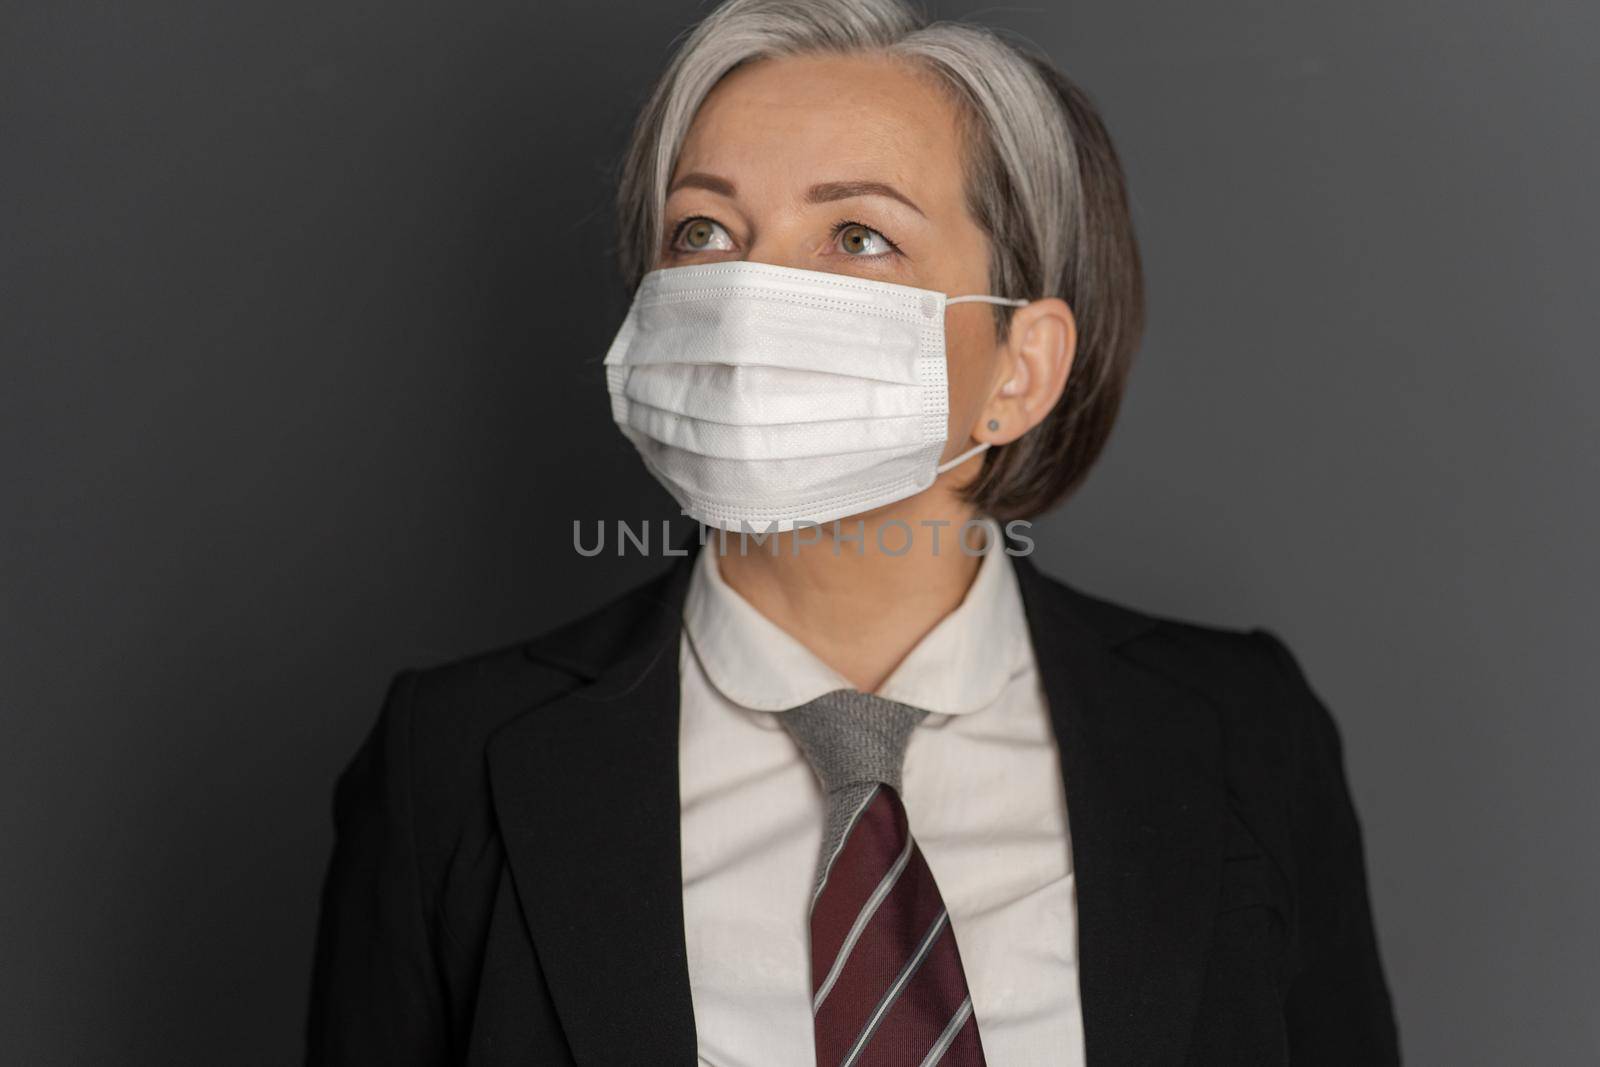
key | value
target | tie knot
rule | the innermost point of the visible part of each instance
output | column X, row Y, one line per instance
column 851, row 738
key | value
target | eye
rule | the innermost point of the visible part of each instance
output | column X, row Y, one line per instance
column 855, row 239
column 701, row 235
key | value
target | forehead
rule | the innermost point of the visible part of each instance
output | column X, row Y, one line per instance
column 786, row 123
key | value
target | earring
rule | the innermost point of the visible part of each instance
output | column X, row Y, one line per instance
column 994, row 424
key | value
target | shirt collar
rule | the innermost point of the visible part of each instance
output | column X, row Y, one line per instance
column 960, row 666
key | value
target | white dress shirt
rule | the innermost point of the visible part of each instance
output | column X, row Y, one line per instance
column 982, row 790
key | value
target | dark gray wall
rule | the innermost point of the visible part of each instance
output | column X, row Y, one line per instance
column 303, row 304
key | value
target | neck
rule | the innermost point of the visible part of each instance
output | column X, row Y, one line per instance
column 860, row 606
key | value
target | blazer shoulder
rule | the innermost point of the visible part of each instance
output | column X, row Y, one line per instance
column 1247, row 672
column 1270, row 715
column 1280, row 743
column 450, row 709
column 1250, row 673
column 1192, row 653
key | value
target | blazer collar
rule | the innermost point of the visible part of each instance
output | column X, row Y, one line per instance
column 586, row 789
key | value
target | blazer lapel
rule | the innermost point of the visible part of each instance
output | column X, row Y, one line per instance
column 1141, row 759
column 586, row 790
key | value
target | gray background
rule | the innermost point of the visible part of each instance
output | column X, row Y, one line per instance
column 303, row 304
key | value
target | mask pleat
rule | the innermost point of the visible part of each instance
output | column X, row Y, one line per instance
column 782, row 483
column 798, row 440
column 771, row 333
column 756, row 396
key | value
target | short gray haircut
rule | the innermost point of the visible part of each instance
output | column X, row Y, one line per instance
column 1043, row 181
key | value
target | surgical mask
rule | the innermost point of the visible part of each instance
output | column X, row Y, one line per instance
column 767, row 398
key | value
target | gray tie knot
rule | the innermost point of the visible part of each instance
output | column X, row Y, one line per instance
column 853, row 738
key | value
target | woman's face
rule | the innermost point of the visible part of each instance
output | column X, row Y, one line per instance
column 846, row 164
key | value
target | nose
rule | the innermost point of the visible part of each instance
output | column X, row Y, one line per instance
column 777, row 253
column 781, row 237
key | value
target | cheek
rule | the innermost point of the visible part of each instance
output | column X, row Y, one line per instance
column 969, row 365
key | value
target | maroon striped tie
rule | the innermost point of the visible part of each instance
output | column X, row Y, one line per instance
column 886, row 979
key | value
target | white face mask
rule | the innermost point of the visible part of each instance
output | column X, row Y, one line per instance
column 767, row 397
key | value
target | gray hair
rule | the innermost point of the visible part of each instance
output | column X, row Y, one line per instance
column 1043, row 181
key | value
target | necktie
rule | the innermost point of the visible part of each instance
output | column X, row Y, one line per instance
column 887, row 985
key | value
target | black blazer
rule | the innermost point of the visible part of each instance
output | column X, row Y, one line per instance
column 505, row 886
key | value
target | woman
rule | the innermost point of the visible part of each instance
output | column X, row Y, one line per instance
column 852, row 794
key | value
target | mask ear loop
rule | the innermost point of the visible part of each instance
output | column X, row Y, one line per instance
column 977, row 298
column 959, row 460
column 982, row 299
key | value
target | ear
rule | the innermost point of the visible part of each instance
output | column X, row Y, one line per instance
column 1030, row 371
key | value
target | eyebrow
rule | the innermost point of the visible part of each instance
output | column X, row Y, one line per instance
column 709, row 182
column 821, row 194
column 818, row 194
